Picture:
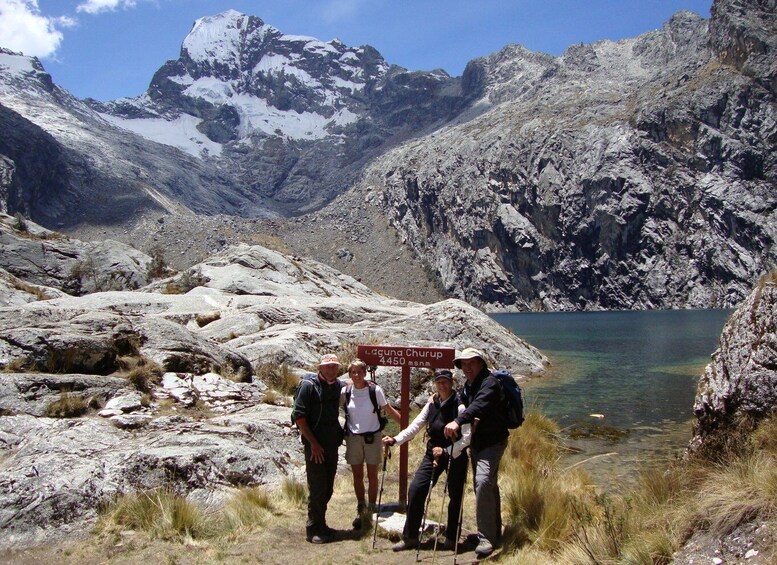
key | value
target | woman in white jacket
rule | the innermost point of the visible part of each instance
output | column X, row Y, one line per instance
column 443, row 407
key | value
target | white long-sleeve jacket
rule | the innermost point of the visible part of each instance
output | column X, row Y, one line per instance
column 419, row 423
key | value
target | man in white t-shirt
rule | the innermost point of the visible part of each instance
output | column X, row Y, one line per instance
column 363, row 400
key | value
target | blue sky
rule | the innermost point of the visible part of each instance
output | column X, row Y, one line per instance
column 106, row 49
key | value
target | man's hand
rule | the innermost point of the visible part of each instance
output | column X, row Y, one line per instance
column 316, row 453
column 436, row 453
column 452, row 430
column 388, row 441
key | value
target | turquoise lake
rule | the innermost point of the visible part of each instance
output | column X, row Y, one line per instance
column 637, row 369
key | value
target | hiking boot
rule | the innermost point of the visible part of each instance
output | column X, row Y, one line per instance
column 319, row 538
column 405, row 544
column 449, row 544
column 484, row 548
column 361, row 508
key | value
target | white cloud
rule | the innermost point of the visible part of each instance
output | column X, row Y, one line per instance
column 97, row 6
column 23, row 28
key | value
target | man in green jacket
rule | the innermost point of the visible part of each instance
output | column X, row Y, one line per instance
column 315, row 412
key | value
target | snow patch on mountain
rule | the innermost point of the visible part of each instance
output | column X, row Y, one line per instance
column 16, row 64
column 257, row 115
column 180, row 132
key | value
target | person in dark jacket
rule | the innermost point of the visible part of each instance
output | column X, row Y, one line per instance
column 315, row 411
column 484, row 399
column 441, row 408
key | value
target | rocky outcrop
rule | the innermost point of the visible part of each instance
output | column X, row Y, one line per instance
column 32, row 393
column 264, row 306
column 739, row 386
column 49, row 259
column 56, row 472
column 200, row 428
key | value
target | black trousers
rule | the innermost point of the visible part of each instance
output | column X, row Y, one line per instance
column 425, row 477
column 321, row 482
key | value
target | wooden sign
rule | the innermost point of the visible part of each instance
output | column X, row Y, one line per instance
column 406, row 356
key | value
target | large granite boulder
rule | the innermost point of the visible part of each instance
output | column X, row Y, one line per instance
column 739, row 386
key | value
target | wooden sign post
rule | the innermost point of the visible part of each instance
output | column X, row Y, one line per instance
column 407, row 358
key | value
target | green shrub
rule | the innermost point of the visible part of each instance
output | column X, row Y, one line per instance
column 20, row 223
column 157, row 267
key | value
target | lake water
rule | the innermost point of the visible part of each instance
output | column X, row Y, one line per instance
column 637, row 369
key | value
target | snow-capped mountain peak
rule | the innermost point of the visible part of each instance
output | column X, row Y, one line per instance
column 239, row 79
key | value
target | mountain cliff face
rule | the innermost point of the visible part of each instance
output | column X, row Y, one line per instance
column 630, row 174
column 636, row 174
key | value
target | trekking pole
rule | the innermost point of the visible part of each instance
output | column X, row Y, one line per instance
column 442, row 508
column 386, row 457
column 461, row 516
column 461, row 508
column 423, row 522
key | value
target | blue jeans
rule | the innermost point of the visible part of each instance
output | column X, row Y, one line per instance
column 488, row 505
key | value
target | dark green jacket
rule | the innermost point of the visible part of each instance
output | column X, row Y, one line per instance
column 319, row 403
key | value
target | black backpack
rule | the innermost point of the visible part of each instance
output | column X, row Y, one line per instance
column 382, row 419
column 513, row 398
column 312, row 378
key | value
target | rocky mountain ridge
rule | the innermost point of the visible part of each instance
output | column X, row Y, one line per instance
column 295, row 118
column 631, row 174
column 628, row 175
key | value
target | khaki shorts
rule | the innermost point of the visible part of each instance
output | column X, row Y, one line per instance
column 358, row 452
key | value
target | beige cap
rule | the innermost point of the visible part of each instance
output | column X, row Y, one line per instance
column 468, row 353
column 329, row 359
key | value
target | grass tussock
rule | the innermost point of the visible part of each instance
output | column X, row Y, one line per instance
column 161, row 514
column 186, row 281
column 18, row 365
column 348, row 351
column 67, row 406
column 36, row 291
column 769, row 279
column 280, row 378
column 249, row 508
column 207, row 317
column 554, row 515
column 274, row 398
column 295, row 492
column 143, row 373
column 164, row 515
column 539, row 496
